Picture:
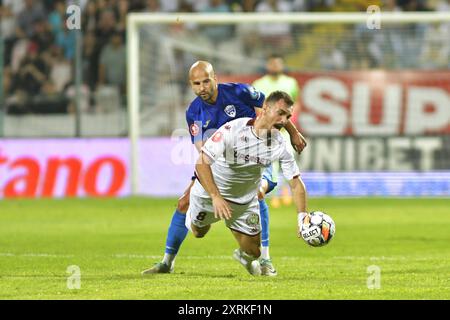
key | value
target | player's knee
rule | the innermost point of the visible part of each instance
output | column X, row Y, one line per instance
column 261, row 195
column 183, row 204
column 200, row 232
column 263, row 189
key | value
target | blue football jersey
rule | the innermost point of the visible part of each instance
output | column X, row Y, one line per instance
column 235, row 100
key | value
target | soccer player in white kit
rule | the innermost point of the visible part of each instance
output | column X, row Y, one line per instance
column 229, row 173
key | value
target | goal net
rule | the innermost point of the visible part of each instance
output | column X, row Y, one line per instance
column 374, row 88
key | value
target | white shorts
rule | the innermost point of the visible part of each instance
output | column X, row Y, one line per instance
column 245, row 218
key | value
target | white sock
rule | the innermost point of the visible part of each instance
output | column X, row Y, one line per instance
column 265, row 253
column 169, row 258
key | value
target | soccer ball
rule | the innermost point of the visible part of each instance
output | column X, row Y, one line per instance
column 317, row 228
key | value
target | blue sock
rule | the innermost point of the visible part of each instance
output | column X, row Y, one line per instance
column 264, row 211
column 177, row 233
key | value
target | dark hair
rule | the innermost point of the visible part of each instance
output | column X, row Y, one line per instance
column 279, row 95
column 275, row 56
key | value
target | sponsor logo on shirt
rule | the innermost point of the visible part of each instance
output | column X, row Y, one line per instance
column 245, row 158
column 230, row 110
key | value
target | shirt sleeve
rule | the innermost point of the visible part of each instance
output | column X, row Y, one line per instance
column 250, row 96
column 194, row 128
column 288, row 164
column 215, row 146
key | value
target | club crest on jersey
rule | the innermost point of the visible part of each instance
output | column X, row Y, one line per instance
column 230, row 110
column 253, row 219
column 194, row 129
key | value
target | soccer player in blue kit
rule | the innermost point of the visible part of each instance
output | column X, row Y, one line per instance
column 215, row 105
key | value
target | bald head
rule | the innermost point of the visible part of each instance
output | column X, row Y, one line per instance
column 203, row 81
column 201, row 67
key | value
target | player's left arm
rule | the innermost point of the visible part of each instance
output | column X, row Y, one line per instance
column 298, row 141
column 299, row 197
column 291, row 171
column 256, row 98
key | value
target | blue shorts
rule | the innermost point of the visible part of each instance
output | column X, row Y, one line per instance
column 267, row 175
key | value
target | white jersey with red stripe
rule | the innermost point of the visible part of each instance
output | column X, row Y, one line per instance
column 240, row 155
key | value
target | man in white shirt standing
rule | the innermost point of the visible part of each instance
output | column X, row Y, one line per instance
column 229, row 172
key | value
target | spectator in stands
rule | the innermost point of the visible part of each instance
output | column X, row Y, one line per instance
column 217, row 33
column 27, row 81
column 7, row 80
column 121, row 12
column 8, row 31
column 248, row 34
column 7, row 22
column 90, row 56
column 32, row 72
column 391, row 6
column 89, row 19
column 56, row 18
column 60, row 68
column 276, row 34
column 331, row 57
column 42, row 36
column 16, row 6
column 152, row 6
column 32, row 11
column 67, row 41
column 105, row 28
column 436, row 46
column 112, row 66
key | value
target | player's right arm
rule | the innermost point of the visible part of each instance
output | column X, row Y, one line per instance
column 222, row 209
column 212, row 149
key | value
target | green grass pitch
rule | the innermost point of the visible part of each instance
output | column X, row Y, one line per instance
column 112, row 241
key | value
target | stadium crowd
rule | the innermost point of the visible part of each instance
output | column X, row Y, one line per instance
column 39, row 50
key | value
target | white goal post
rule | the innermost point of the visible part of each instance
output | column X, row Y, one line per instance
column 136, row 20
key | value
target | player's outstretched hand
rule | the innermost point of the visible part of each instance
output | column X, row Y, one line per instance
column 298, row 142
column 300, row 220
column 222, row 209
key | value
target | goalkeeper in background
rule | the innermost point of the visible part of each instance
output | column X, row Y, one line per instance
column 277, row 79
column 215, row 105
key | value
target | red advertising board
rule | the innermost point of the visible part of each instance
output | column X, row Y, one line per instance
column 371, row 103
